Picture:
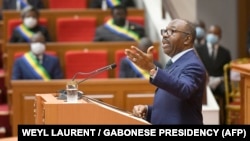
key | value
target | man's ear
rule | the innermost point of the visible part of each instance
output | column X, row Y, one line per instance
column 188, row 39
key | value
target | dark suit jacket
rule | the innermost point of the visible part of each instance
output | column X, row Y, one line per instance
column 16, row 36
column 103, row 34
column 214, row 67
column 126, row 71
column 50, row 63
column 98, row 3
column 11, row 4
column 180, row 88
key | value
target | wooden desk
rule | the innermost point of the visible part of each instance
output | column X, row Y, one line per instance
column 50, row 110
column 244, row 70
column 122, row 93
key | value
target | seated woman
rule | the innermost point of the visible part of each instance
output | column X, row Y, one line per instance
column 29, row 26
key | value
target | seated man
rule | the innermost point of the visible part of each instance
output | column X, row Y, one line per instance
column 36, row 64
column 29, row 26
column 118, row 28
column 129, row 70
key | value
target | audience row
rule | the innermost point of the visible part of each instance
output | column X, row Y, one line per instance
column 64, row 4
column 53, row 4
column 116, row 28
column 37, row 63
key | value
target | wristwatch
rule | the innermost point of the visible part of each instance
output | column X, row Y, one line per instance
column 153, row 71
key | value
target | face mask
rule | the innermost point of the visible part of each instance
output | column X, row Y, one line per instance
column 211, row 38
column 37, row 48
column 30, row 22
column 200, row 32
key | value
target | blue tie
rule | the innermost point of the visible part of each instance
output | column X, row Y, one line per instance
column 169, row 63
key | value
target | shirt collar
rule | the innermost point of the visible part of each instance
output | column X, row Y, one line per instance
column 177, row 56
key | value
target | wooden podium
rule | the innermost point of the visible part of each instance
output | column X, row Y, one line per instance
column 244, row 70
column 50, row 110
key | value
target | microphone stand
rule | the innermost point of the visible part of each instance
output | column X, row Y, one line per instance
column 63, row 93
column 94, row 73
column 88, row 99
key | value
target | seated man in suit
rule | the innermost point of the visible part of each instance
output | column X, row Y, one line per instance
column 36, row 64
column 118, row 28
column 29, row 26
column 129, row 70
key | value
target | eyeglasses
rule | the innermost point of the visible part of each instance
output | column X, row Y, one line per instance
column 171, row 32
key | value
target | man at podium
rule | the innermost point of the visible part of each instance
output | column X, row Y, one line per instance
column 181, row 85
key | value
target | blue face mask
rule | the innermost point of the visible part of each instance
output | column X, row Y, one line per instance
column 211, row 38
column 200, row 32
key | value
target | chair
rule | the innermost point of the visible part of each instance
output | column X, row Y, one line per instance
column 13, row 23
column 67, row 4
column 119, row 54
column 75, row 29
column 232, row 92
column 85, row 61
column 137, row 19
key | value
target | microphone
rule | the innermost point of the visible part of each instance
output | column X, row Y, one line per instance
column 63, row 93
column 95, row 72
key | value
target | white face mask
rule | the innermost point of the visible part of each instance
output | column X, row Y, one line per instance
column 37, row 48
column 211, row 38
column 200, row 32
column 30, row 22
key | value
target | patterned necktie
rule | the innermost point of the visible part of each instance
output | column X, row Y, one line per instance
column 169, row 63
